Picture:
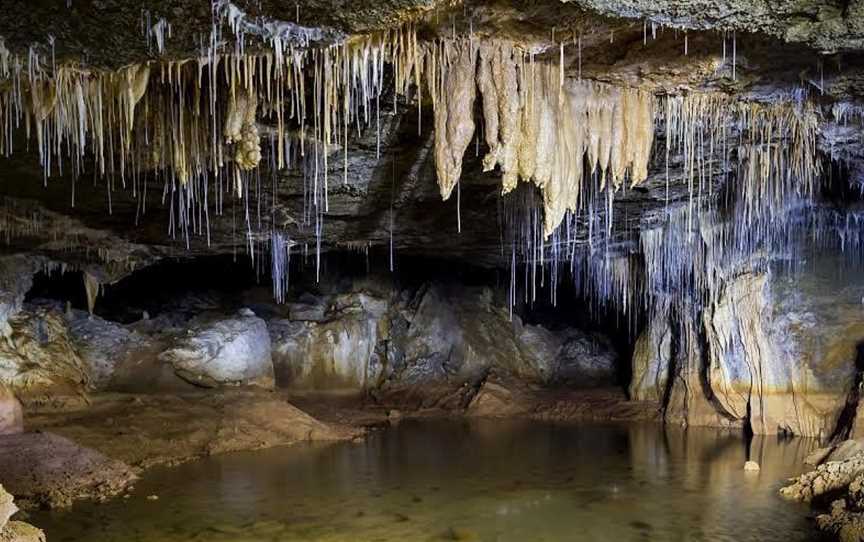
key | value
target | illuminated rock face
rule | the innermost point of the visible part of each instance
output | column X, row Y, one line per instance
column 776, row 351
column 444, row 334
column 227, row 352
column 15, row 531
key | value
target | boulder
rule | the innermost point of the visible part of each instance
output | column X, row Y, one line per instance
column 234, row 351
column 841, row 483
column 43, row 469
column 841, row 451
column 16, row 278
column 500, row 398
column 18, row 531
column 585, row 360
column 458, row 334
column 11, row 416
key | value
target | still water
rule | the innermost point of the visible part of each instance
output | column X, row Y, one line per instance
column 466, row 480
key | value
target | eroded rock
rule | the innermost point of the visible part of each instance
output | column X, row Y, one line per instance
column 104, row 345
column 772, row 350
column 40, row 363
column 7, row 508
column 332, row 346
column 15, row 531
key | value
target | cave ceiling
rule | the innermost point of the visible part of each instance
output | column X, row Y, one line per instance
column 760, row 51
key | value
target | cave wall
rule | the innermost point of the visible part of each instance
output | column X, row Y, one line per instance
column 775, row 350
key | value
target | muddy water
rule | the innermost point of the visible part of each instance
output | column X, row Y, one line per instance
column 458, row 480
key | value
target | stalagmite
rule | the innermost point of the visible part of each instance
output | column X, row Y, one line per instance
column 91, row 288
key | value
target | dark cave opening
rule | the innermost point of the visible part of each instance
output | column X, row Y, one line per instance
column 192, row 288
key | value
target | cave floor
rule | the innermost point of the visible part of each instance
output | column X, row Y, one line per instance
column 99, row 450
column 454, row 478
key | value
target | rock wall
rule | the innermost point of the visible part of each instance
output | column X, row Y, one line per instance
column 774, row 350
column 330, row 343
column 40, row 363
column 435, row 334
column 11, row 415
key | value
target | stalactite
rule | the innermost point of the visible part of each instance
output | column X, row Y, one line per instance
column 538, row 125
column 497, row 79
column 241, row 129
column 453, row 89
column 91, row 288
column 199, row 124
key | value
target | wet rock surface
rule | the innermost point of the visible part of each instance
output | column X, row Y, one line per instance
column 15, row 531
column 838, row 486
column 40, row 363
column 620, row 94
column 780, row 353
column 106, row 346
column 46, row 469
column 147, row 430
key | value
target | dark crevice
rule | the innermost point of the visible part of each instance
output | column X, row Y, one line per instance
column 846, row 420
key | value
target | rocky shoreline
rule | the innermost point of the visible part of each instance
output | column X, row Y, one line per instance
column 835, row 485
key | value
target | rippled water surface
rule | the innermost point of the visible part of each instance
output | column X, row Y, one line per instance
column 459, row 480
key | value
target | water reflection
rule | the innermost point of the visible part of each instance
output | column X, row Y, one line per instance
column 467, row 480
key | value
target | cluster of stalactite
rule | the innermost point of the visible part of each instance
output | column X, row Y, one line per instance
column 203, row 124
column 763, row 155
column 539, row 126
column 206, row 125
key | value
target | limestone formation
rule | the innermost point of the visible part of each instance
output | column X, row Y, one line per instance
column 774, row 350
column 683, row 176
column 7, row 508
column 104, row 346
column 651, row 357
column 453, row 91
column 363, row 341
column 39, row 362
column 339, row 350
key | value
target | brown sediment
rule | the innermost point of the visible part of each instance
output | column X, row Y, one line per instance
column 95, row 453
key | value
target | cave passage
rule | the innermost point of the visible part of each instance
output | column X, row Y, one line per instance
column 431, row 270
